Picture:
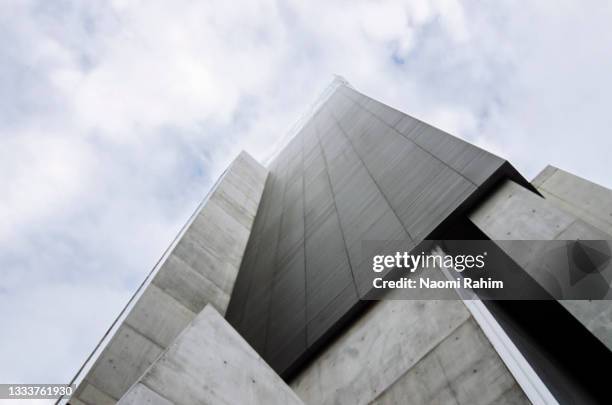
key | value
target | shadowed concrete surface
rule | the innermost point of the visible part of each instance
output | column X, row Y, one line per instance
column 199, row 270
column 570, row 367
column 210, row 363
column 514, row 213
column 410, row 352
column 591, row 203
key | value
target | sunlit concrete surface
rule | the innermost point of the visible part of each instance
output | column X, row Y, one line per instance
column 210, row 363
column 416, row 352
column 200, row 270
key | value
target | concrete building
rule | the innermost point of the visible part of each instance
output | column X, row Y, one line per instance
column 261, row 297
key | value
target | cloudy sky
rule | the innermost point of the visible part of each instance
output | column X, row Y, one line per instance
column 116, row 116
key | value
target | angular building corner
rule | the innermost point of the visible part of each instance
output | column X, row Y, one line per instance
column 276, row 251
column 198, row 270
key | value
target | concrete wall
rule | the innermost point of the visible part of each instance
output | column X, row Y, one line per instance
column 584, row 199
column 410, row 352
column 210, row 363
column 514, row 213
column 201, row 269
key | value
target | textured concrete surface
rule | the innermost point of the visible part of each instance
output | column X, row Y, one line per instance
column 593, row 204
column 141, row 394
column 210, row 363
column 409, row 352
column 462, row 369
column 514, row 213
column 201, row 269
column 580, row 197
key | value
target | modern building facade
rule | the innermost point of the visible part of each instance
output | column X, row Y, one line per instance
column 263, row 298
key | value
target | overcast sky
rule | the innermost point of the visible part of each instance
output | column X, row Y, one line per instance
column 116, row 116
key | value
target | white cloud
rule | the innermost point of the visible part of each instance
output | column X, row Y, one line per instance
column 47, row 335
column 115, row 118
column 46, row 175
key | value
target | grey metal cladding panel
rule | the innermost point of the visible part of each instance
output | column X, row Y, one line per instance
column 344, row 167
column 359, row 121
column 359, row 201
column 294, row 162
column 435, row 203
column 378, row 147
column 326, row 125
column 254, row 318
column 362, row 209
column 318, row 199
column 361, row 222
column 349, row 92
column 451, row 150
column 313, row 162
column 400, row 169
column 475, row 164
column 372, row 144
column 255, row 323
column 293, row 188
column 479, row 169
column 256, row 312
column 318, row 213
column 334, row 148
column 320, row 295
column 339, row 104
column 292, row 232
column 396, row 159
column 332, row 313
column 315, row 181
column 327, row 265
column 421, row 189
column 285, row 330
column 387, row 114
column 352, row 113
column 291, row 152
column 309, row 138
column 294, row 181
column 383, row 228
column 472, row 162
column 403, row 180
column 417, row 178
column 291, row 239
column 255, row 335
column 358, row 170
column 288, row 305
column 325, row 251
column 409, row 127
column 290, row 275
column 288, row 352
column 311, row 146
